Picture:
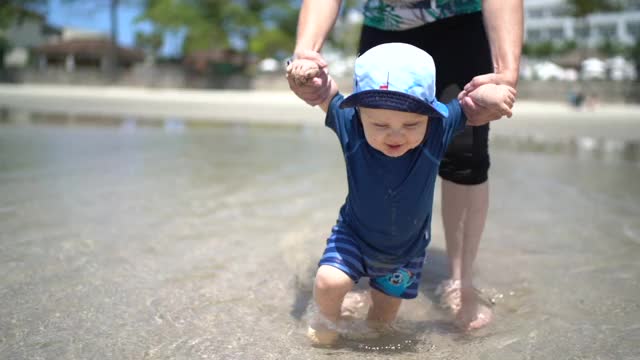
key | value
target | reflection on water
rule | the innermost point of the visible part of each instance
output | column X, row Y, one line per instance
column 156, row 243
column 588, row 147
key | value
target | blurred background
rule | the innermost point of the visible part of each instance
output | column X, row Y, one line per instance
column 572, row 47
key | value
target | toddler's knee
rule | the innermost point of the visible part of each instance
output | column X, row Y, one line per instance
column 332, row 280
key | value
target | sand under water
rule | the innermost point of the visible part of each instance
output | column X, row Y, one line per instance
column 141, row 242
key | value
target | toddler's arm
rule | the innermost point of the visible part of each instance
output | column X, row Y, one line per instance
column 487, row 103
column 303, row 70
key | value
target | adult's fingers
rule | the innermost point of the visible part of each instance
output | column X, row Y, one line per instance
column 489, row 78
column 313, row 56
column 479, row 115
column 480, row 80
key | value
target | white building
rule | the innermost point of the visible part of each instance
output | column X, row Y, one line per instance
column 550, row 20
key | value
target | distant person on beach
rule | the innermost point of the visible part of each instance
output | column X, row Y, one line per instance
column 576, row 98
column 474, row 42
column 393, row 133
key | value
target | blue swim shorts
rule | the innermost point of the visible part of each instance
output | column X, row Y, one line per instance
column 397, row 280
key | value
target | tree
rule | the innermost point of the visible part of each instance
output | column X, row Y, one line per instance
column 258, row 27
column 611, row 48
column 251, row 28
column 11, row 10
column 151, row 42
column 15, row 10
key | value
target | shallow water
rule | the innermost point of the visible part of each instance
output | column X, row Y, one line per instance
column 178, row 243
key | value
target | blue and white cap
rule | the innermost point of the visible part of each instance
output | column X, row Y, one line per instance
column 396, row 76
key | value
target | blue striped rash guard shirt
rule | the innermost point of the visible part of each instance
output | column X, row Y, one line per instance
column 390, row 200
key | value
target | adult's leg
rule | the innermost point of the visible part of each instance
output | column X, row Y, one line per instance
column 464, row 169
column 464, row 212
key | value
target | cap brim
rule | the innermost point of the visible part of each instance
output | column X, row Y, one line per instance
column 395, row 100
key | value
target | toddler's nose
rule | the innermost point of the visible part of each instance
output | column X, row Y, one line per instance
column 396, row 137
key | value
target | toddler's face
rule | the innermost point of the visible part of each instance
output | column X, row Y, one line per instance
column 393, row 132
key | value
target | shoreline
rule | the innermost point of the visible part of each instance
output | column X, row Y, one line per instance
column 606, row 127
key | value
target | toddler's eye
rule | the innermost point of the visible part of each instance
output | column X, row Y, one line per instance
column 381, row 126
column 411, row 126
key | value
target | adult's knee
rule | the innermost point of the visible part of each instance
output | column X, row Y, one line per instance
column 466, row 161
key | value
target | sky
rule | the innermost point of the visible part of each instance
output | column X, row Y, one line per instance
column 95, row 17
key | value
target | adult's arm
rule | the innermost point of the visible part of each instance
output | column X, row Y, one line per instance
column 315, row 21
column 504, row 24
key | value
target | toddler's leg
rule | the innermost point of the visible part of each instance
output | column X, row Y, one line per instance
column 383, row 310
column 331, row 286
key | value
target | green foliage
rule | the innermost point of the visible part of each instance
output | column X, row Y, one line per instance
column 261, row 27
column 567, row 46
column 151, row 42
column 11, row 10
column 272, row 43
column 545, row 49
column 538, row 50
column 611, row 48
column 582, row 8
column 15, row 10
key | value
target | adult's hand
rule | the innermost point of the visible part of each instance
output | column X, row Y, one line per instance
column 316, row 90
column 477, row 114
column 487, row 103
column 491, row 78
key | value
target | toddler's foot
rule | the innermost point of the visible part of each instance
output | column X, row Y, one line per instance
column 322, row 336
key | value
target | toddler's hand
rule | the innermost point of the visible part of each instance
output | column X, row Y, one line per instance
column 313, row 90
column 301, row 71
column 487, row 103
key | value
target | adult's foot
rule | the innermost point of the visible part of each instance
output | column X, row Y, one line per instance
column 473, row 314
column 468, row 308
column 449, row 293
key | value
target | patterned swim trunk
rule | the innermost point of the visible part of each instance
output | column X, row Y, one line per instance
column 397, row 280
